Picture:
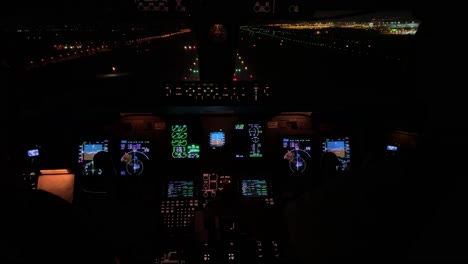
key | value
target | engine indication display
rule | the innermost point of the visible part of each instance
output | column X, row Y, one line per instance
column 181, row 147
column 135, row 154
column 298, row 152
column 248, row 140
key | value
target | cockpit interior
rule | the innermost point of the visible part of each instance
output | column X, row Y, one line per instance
column 201, row 131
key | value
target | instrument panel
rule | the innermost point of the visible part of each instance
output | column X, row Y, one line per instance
column 217, row 146
column 280, row 146
column 176, row 165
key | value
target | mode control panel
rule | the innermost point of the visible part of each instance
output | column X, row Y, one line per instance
column 219, row 93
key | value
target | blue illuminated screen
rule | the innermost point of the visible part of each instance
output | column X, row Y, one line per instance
column 217, row 139
column 87, row 150
column 33, row 152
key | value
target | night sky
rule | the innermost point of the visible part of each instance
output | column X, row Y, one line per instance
column 89, row 11
column 64, row 10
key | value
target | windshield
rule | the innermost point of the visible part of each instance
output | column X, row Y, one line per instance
column 304, row 50
column 267, row 50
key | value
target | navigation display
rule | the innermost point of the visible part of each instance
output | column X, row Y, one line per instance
column 180, row 189
column 248, row 138
column 341, row 148
column 182, row 146
column 87, row 150
column 134, row 156
column 254, row 188
column 298, row 152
